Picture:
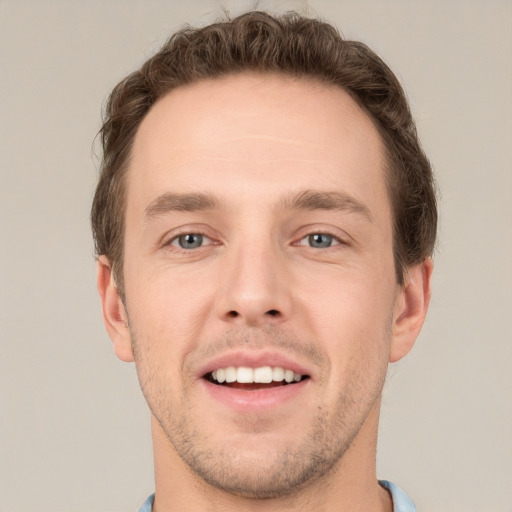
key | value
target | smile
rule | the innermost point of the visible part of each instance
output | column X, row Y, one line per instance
column 249, row 381
column 260, row 375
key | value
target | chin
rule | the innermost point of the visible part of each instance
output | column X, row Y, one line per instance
column 262, row 466
column 252, row 477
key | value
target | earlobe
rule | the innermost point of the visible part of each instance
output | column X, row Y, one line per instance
column 114, row 312
column 411, row 309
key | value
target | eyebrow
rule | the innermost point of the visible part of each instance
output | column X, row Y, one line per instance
column 318, row 200
column 305, row 200
column 170, row 202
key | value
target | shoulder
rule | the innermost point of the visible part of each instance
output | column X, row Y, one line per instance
column 148, row 504
column 401, row 502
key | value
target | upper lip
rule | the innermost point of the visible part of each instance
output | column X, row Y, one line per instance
column 253, row 359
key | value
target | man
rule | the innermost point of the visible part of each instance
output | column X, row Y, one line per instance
column 264, row 223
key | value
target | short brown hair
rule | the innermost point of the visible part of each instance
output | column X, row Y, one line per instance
column 288, row 44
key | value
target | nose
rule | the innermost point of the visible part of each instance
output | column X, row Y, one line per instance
column 255, row 289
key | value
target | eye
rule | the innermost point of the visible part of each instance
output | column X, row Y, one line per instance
column 189, row 241
column 320, row 240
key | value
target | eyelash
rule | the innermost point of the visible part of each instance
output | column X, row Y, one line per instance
column 174, row 242
column 334, row 240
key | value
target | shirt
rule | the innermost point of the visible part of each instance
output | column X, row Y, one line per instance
column 401, row 502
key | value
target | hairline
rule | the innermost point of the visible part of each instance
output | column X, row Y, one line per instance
column 388, row 163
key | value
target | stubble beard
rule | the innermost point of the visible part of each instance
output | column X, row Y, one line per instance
column 278, row 473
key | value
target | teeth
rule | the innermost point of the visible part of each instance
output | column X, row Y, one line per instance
column 261, row 375
column 277, row 374
column 244, row 375
column 230, row 374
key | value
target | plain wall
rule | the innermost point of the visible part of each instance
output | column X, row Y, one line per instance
column 74, row 428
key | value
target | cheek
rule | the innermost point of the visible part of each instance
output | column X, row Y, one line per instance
column 167, row 310
column 352, row 314
column 347, row 297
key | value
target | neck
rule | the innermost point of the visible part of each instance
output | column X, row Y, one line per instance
column 351, row 485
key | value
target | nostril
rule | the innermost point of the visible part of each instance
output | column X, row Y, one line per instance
column 272, row 313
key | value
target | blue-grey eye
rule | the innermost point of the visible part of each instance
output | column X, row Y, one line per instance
column 320, row 240
column 190, row 241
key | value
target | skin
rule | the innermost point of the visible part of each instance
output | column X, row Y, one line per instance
column 257, row 286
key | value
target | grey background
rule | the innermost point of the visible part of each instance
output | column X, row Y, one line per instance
column 74, row 429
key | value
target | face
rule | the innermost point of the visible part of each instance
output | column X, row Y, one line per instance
column 258, row 250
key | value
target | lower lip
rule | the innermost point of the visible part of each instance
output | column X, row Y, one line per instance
column 257, row 399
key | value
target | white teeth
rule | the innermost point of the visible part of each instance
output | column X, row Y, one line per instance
column 244, row 375
column 277, row 374
column 262, row 375
column 288, row 375
column 230, row 374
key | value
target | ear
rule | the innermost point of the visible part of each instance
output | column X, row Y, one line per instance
column 411, row 309
column 114, row 312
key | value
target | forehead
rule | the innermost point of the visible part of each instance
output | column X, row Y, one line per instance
column 250, row 133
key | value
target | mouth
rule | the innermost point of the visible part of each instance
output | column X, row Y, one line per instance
column 252, row 379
